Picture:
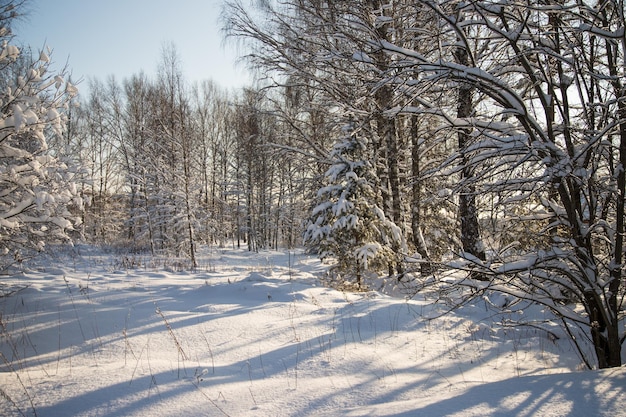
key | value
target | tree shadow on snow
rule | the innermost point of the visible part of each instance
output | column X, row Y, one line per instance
column 589, row 393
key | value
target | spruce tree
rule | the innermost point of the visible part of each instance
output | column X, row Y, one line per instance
column 346, row 225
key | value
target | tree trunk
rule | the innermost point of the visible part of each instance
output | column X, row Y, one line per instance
column 468, row 213
column 416, row 226
column 387, row 132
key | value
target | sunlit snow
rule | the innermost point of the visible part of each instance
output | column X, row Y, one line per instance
column 95, row 333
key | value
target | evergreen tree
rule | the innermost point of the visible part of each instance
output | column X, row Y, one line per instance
column 347, row 225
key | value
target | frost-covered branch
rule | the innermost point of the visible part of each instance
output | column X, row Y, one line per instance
column 37, row 188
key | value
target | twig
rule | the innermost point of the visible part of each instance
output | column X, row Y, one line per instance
column 6, row 396
column 80, row 326
column 168, row 326
column 210, row 400
column 30, row 399
column 127, row 345
column 210, row 351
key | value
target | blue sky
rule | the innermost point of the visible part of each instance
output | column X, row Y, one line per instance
column 123, row 37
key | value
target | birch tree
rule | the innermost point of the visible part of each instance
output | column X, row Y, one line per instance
column 100, row 133
column 135, row 163
column 212, row 116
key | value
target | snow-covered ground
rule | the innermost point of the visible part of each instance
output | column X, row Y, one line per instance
column 98, row 334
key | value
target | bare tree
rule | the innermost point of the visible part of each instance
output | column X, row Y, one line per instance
column 211, row 120
column 100, row 134
column 336, row 31
column 550, row 130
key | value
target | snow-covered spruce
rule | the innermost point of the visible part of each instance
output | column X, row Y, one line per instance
column 346, row 225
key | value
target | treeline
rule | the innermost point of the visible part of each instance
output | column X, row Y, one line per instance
column 171, row 166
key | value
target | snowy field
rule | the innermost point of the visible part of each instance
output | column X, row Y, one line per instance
column 98, row 334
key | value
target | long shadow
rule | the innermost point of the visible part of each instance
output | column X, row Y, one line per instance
column 137, row 311
column 558, row 394
column 143, row 395
column 44, row 322
column 353, row 322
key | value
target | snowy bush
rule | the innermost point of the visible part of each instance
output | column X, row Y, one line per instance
column 36, row 188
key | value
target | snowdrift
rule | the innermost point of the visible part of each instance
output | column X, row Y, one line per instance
column 255, row 334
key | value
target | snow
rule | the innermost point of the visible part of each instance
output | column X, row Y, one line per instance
column 360, row 56
column 10, row 52
column 617, row 34
column 43, row 57
column 97, row 333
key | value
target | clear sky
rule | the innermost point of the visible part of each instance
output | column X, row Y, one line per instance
column 123, row 37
